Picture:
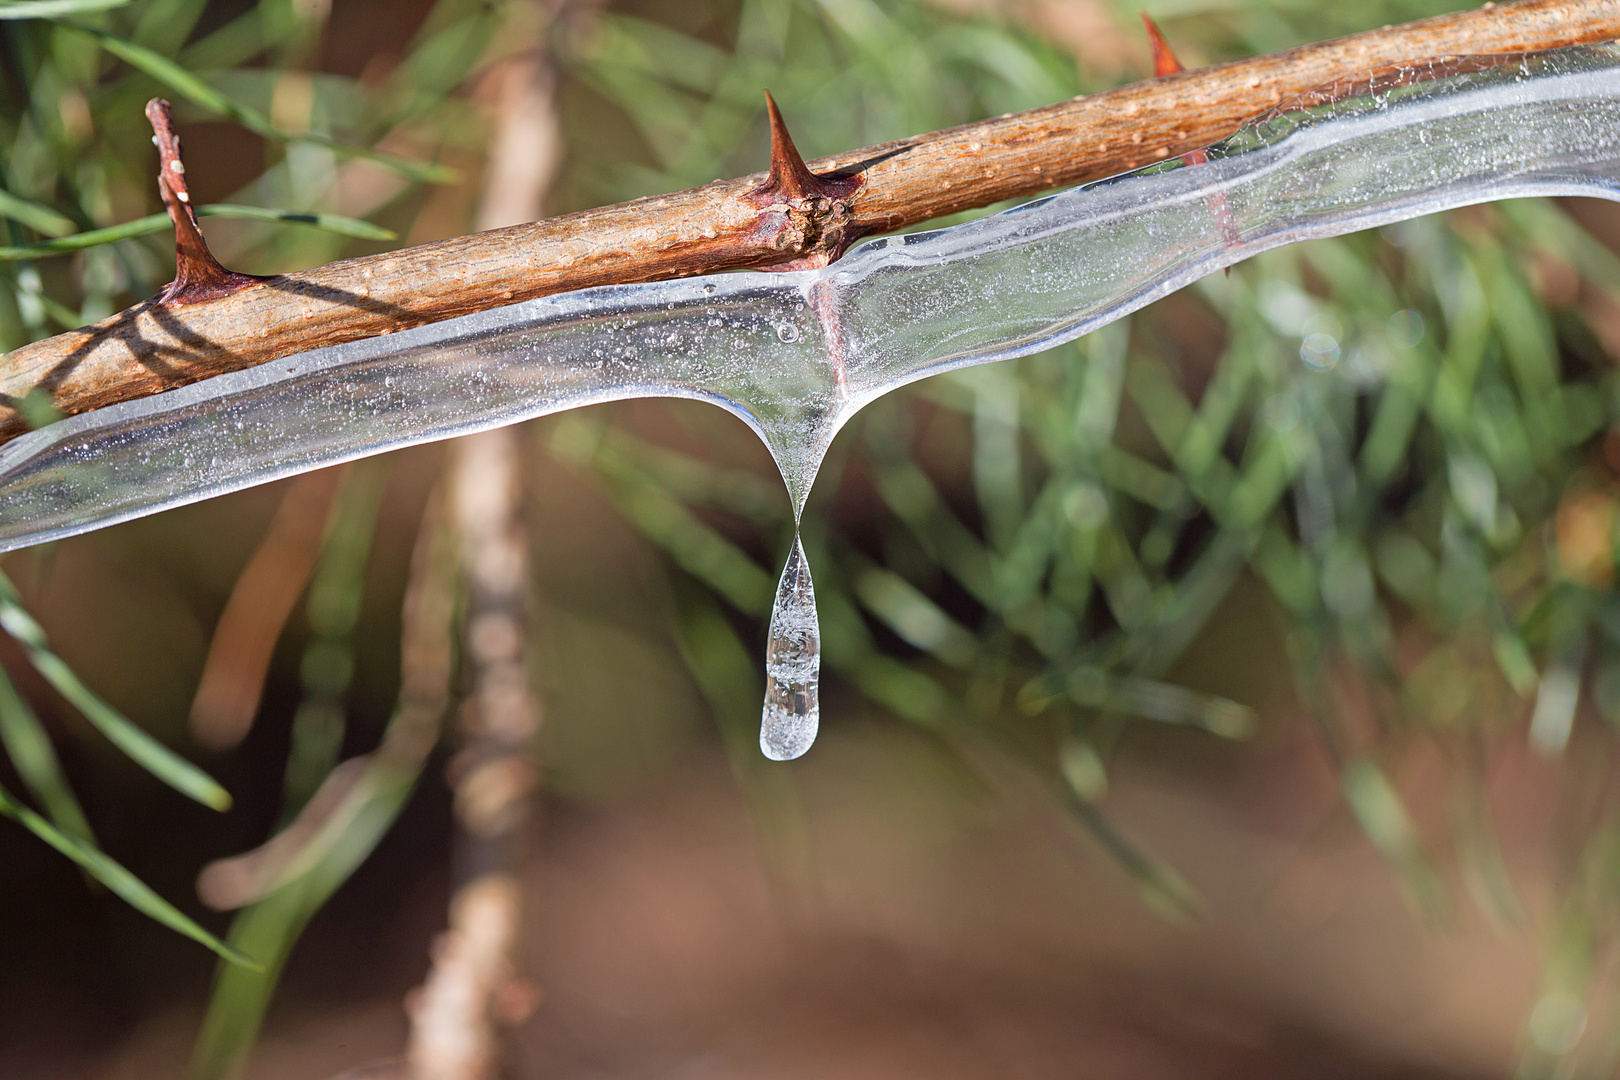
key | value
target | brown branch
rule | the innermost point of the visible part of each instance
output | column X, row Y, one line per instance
column 158, row 345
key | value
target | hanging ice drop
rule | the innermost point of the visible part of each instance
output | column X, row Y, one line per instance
column 792, row 664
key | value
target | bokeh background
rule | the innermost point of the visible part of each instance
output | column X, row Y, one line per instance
column 1234, row 692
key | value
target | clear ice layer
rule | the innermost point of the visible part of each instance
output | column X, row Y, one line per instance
column 792, row 664
column 795, row 355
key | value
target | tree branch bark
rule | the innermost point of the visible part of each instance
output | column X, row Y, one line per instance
column 158, row 345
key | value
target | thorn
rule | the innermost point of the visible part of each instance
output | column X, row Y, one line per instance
column 197, row 274
column 790, row 180
column 1164, row 58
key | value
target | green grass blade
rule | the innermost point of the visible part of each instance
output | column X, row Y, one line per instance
column 129, row 888
column 234, row 44
column 199, row 93
column 140, row 747
column 54, row 9
column 39, row 218
column 93, row 238
column 35, row 760
column 136, row 744
column 666, row 521
column 1165, row 702
column 1384, row 819
column 156, row 223
column 332, row 223
column 269, row 929
column 910, row 613
column 1159, row 885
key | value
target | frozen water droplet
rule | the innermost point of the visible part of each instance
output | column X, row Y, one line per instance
column 792, row 664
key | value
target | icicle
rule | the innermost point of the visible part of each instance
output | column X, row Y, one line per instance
column 792, row 664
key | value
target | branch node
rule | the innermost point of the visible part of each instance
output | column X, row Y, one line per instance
column 197, row 274
column 790, row 180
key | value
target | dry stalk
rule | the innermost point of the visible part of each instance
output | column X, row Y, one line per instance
column 260, row 603
column 475, row 987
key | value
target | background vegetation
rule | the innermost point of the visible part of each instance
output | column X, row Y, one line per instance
column 1330, row 541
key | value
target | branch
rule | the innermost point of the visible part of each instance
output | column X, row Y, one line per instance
column 797, row 217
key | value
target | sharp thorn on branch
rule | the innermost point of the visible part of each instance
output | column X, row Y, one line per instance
column 197, row 274
column 790, row 180
column 1164, row 57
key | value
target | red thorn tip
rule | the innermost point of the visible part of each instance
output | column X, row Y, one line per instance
column 1164, row 58
column 790, row 179
column 789, row 174
column 197, row 274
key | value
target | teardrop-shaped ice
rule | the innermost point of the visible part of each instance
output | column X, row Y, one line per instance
column 792, row 664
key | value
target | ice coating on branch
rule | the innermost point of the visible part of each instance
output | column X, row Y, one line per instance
column 796, row 354
column 792, row 664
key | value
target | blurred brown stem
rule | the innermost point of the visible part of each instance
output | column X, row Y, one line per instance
column 156, row 346
column 245, row 638
column 475, row 985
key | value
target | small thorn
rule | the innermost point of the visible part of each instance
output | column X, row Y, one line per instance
column 790, row 179
column 197, row 274
column 1164, row 58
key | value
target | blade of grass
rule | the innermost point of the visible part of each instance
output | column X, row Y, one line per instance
column 166, row 24
column 156, row 223
column 144, row 226
column 129, row 888
column 267, row 932
column 269, row 929
column 665, row 520
column 332, row 223
column 1384, row 819
column 39, row 218
column 35, row 760
column 136, row 744
column 1164, row 890
column 54, row 9
column 1165, row 702
column 199, row 93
